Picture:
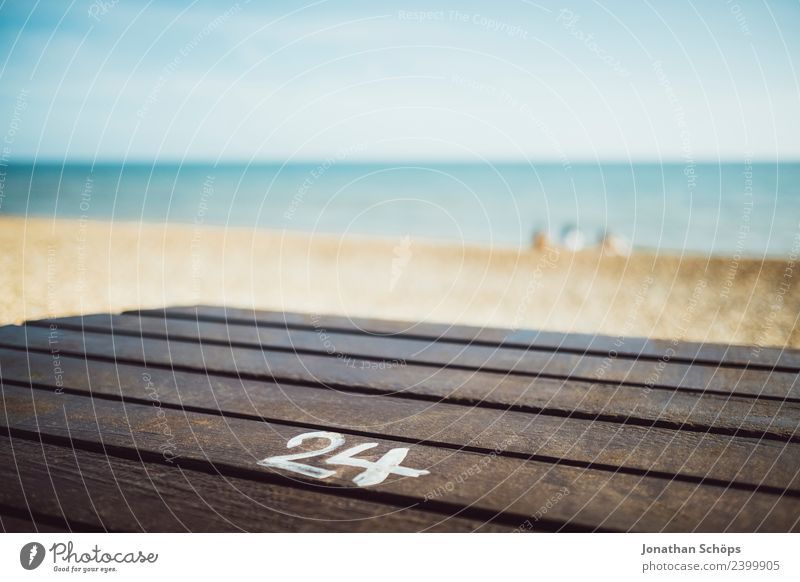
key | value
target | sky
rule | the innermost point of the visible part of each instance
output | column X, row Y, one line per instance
column 567, row 81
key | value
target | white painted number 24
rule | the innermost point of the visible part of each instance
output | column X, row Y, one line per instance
column 374, row 472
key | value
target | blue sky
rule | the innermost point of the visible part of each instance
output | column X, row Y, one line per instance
column 514, row 80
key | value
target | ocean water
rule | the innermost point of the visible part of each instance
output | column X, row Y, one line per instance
column 734, row 208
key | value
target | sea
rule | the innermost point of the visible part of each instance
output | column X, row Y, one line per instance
column 742, row 208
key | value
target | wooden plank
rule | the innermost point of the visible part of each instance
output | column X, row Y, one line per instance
column 684, row 455
column 634, row 347
column 512, row 361
column 622, row 403
column 757, row 418
column 114, row 494
column 15, row 524
column 9, row 524
column 476, row 485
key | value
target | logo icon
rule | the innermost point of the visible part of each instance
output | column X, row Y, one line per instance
column 31, row 555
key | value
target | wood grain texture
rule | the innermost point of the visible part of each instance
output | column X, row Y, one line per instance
column 704, row 412
column 16, row 524
column 634, row 347
column 157, row 421
column 683, row 455
column 108, row 493
column 514, row 361
column 473, row 485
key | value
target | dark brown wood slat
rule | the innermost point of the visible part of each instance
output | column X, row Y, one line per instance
column 767, row 358
column 115, row 494
column 741, row 461
column 409, row 375
column 512, row 360
column 735, row 355
column 13, row 524
column 492, row 484
column 23, row 503
column 688, row 411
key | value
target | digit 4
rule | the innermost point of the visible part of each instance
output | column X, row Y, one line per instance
column 375, row 472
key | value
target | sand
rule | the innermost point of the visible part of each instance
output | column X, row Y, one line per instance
column 63, row 267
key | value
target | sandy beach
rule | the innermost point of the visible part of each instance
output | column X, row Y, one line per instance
column 67, row 267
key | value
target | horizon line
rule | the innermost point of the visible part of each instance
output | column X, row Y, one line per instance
column 395, row 161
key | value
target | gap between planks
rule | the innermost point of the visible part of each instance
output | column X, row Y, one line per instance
column 79, row 325
column 470, row 337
